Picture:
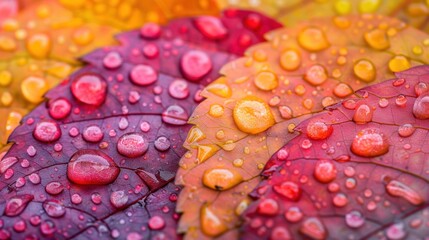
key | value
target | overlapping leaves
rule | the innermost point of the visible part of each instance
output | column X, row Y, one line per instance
column 357, row 170
column 98, row 159
column 252, row 110
column 41, row 45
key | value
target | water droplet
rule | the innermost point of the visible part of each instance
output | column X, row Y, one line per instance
column 162, row 143
column 54, row 208
column 47, row 131
column 123, row 123
column 90, row 89
column 76, row 199
column 39, row 45
column 54, row 188
column 132, row 145
column 211, row 224
column 363, row 114
column 34, row 178
column 221, row 179
column 370, row 142
column 33, row 89
column 421, row 88
column 421, row 107
column 216, row 110
column 48, row 228
column 313, row 228
column 156, row 223
column 118, row 199
column 364, row 70
column 318, row 129
column 289, row 190
column 31, row 151
column 406, row 130
column 195, row 64
column 313, row 39
column 306, row 144
column 401, row 101
column 35, row 220
column 294, row 214
column 399, row 63
column 179, row 89
column 290, row 60
column 220, row 88
column 143, row 75
column 354, row 219
column 16, row 204
column 342, row 90
column 268, row 207
column 211, row 27
column 20, row 226
column 282, row 154
column 399, row 189
column 92, row 134
column 340, row 200
column 112, row 60
column 280, row 233
column 92, row 167
column 377, row 39
column 325, row 171
column 396, row 231
column 150, row 50
column 96, row 198
column 150, row 31
column 175, row 115
column 316, row 75
column 6, row 163
column 266, row 81
column 59, row 108
column 252, row 115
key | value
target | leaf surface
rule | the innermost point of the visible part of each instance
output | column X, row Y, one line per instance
column 252, row 110
column 98, row 159
column 342, row 178
column 40, row 45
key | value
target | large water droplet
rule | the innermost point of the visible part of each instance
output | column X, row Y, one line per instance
column 290, row 60
column 399, row 189
column 132, row 145
column 54, row 208
column 175, row 115
column 377, row 39
column 15, row 205
column 364, row 70
column 221, row 179
column 47, row 131
column 406, row 130
column 211, row 224
column 92, row 167
column 266, row 80
column 313, row 39
column 179, row 89
column 59, row 108
column 313, row 228
column 289, row 190
column 211, row 27
column 370, row 142
column 318, row 129
column 90, row 89
column 421, row 107
column 143, row 75
column 195, row 64
column 252, row 115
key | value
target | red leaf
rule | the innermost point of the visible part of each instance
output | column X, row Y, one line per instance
column 98, row 159
column 359, row 180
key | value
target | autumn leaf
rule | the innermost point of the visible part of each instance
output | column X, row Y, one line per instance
column 413, row 12
column 357, row 170
column 41, row 45
column 252, row 110
column 98, row 159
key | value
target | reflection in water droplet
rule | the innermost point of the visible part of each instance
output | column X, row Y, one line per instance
column 90, row 89
column 132, row 145
column 370, row 142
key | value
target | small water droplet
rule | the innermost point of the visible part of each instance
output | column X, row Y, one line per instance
column 59, row 108
column 175, row 115
column 211, row 224
column 150, row 31
column 156, row 223
column 396, row 231
column 290, row 60
column 354, row 219
column 268, row 206
column 289, row 190
column 221, row 179
column 377, row 39
column 112, row 60
column 76, row 199
column 96, row 198
column 47, row 131
column 313, row 228
column 340, row 200
column 54, row 188
column 92, row 133
column 211, row 27
column 421, row 88
column 316, row 75
column 118, row 199
column 364, row 70
column 318, row 129
column 294, row 214
column 179, row 89
column 325, row 171
column 313, row 39
column 162, row 143
column 252, row 115
column 266, row 80
column 48, row 228
column 421, row 107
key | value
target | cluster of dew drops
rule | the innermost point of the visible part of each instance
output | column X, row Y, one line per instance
column 91, row 89
column 369, row 142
